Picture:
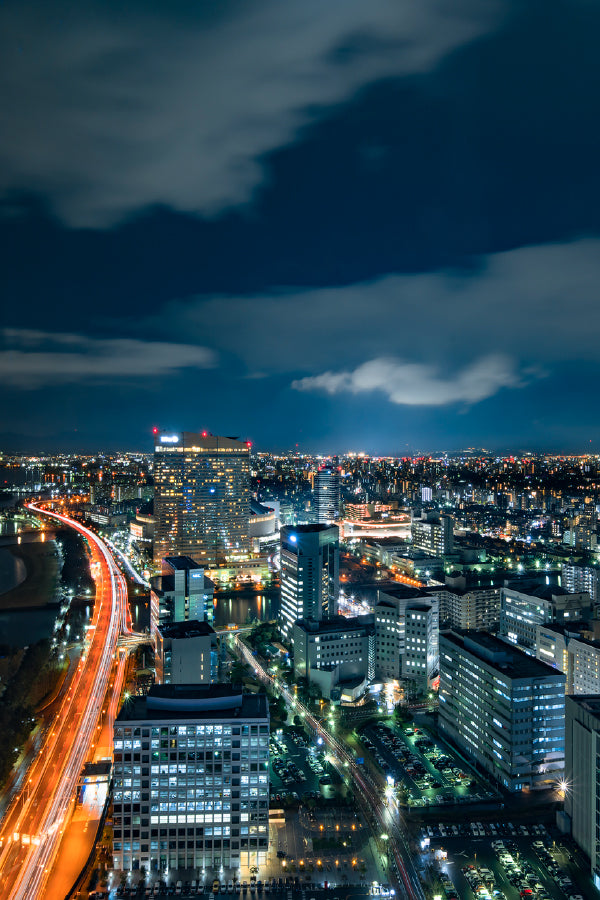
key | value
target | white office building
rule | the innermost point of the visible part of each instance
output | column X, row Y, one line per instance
column 390, row 613
column 334, row 651
column 420, row 659
column 575, row 650
column 524, row 606
column 582, row 776
column 191, row 780
column 503, row 708
column 433, row 534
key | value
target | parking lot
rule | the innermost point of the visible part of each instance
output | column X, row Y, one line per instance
column 299, row 769
column 504, row 861
column 431, row 773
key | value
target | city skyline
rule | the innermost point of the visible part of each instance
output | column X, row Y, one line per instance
column 360, row 227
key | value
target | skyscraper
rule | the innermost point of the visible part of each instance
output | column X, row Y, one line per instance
column 201, row 497
column 327, row 494
column 310, row 580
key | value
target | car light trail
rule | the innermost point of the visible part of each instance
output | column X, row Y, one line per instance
column 33, row 825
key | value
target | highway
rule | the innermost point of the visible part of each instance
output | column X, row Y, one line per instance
column 379, row 810
column 32, row 827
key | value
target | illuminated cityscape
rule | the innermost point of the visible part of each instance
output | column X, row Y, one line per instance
column 300, row 450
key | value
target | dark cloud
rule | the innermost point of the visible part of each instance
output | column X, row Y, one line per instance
column 106, row 114
column 304, row 190
column 33, row 359
column 536, row 304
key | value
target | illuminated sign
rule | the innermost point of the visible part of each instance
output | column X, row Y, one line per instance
column 169, row 438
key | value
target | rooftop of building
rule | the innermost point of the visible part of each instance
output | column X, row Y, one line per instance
column 499, row 654
column 260, row 509
column 165, row 584
column 306, row 529
column 535, row 587
column 335, row 623
column 589, row 702
column 199, row 440
column 401, row 592
column 210, row 702
column 190, row 629
column 181, row 563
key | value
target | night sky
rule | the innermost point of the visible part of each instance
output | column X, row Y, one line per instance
column 342, row 225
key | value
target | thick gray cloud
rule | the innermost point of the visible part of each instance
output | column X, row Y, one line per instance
column 106, row 112
column 33, row 359
column 413, row 384
column 536, row 305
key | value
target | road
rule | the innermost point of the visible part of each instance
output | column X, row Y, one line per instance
column 32, row 828
column 382, row 815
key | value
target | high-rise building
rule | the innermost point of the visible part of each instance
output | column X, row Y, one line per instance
column 310, row 574
column 187, row 653
column 327, row 494
column 335, row 650
column 576, row 579
column 201, row 497
column 433, row 534
column 191, row 780
column 421, row 636
column 575, row 650
column 525, row 605
column 468, row 609
column 391, row 611
column 181, row 593
column 503, row 708
column 582, row 776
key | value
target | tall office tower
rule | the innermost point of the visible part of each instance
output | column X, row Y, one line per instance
column 310, row 574
column 191, row 780
column 582, row 776
column 327, row 494
column 433, row 534
column 503, row 708
column 201, row 497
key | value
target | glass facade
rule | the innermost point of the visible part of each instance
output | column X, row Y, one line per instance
column 201, row 498
column 190, row 796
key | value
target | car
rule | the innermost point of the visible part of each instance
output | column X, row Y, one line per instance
column 216, row 886
column 230, row 887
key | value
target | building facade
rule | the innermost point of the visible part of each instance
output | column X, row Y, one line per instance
column 575, row 651
column 433, row 534
column 525, row 606
column 310, row 574
column 477, row 609
column 577, row 579
column 191, row 780
column 582, row 776
column 390, row 613
column 327, row 494
column 334, row 650
column 187, row 653
column 421, row 633
column 181, row 593
column 503, row 708
column 201, row 497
